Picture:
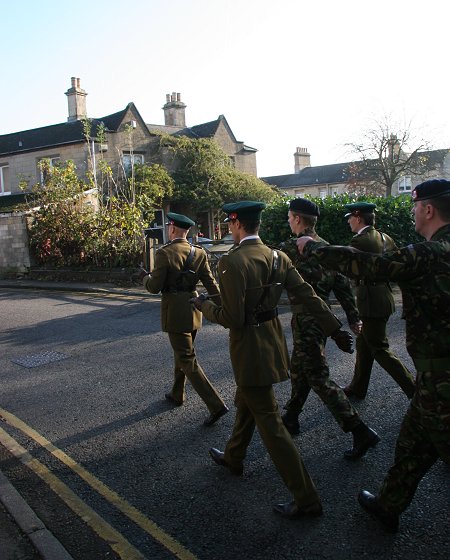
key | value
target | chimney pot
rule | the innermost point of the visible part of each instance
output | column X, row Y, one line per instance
column 76, row 99
column 174, row 110
column 302, row 159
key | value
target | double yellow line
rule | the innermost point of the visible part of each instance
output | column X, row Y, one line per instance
column 116, row 541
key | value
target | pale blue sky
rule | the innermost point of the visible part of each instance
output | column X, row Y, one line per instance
column 284, row 73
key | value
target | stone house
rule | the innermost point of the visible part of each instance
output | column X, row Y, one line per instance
column 331, row 180
column 127, row 139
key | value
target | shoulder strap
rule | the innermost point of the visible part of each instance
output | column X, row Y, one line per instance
column 189, row 259
column 383, row 238
column 186, row 270
column 275, row 267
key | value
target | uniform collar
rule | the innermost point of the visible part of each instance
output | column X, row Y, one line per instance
column 363, row 229
column 441, row 232
column 249, row 238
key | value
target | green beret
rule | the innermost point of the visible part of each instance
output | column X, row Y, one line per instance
column 179, row 220
column 431, row 189
column 244, row 210
column 357, row 208
column 304, row 206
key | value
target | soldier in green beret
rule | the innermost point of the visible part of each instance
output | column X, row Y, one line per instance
column 422, row 271
column 375, row 305
column 309, row 367
column 179, row 266
column 251, row 279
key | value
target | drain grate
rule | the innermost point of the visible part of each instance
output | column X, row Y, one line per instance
column 39, row 359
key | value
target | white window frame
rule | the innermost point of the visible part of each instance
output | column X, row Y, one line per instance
column 4, row 176
column 323, row 192
column 334, row 191
column 404, row 184
column 54, row 160
column 299, row 193
column 130, row 159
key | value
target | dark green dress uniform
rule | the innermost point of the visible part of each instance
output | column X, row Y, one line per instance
column 259, row 353
column 375, row 305
column 422, row 271
column 179, row 318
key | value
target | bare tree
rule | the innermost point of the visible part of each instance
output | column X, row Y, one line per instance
column 387, row 153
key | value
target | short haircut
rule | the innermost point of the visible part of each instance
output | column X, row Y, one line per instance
column 368, row 218
column 442, row 205
column 308, row 220
column 250, row 226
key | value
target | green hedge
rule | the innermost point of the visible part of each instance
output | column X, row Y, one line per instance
column 393, row 216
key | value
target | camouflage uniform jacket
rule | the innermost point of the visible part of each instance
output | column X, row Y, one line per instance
column 422, row 271
column 321, row 279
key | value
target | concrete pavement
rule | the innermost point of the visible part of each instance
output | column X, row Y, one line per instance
column 23, row 536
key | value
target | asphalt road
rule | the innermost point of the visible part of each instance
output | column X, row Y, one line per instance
column 83, row 380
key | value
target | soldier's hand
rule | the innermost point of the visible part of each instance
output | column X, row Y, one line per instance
column 199, row 301
column 302, row 241
column 142, row 275
column 344, row 340
column 356, row 328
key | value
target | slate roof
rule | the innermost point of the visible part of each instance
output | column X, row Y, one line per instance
column 318, row 175
column 205, row 130
column 56, row 134
column 334, row 173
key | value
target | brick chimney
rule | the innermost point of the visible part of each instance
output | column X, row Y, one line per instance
column 302, row 159
column 174, row 111
column 76, row 99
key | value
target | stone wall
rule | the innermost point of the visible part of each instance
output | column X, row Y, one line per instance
column 14, row 253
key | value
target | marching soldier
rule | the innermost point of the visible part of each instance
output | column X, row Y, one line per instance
column 422, row 271
column 375, row 305
column 251, row 279
column 178, row 268
column 309, row 367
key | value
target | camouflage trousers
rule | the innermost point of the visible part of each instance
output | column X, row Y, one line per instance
column 309, row 370
column 424, row 438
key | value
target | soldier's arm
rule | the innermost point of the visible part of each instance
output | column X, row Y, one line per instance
column 231, row 312
column 404, row 264
column 157, row 280
column 207, row 279
column 300, row 292
column 345, row 296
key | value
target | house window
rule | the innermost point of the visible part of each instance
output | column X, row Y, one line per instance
column 322, row 192
column 44, row 174
column 334, row 191
column 129, row 160
column 4, row 180
column 404, row 184
column 299, row 193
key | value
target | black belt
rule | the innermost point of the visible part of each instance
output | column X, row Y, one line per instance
column 263, row 316
column 367, row 283
column 175, row 290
